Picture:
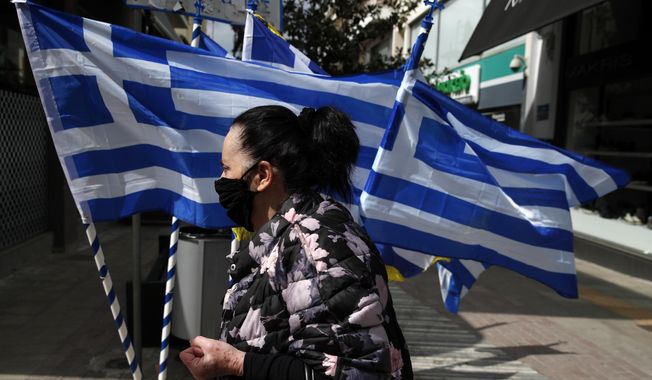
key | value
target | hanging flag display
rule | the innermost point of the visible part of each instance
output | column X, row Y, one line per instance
column 137, row 122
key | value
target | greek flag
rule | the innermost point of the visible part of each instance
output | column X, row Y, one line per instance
column 138, row 121
column 264, row 44
column 448, row 181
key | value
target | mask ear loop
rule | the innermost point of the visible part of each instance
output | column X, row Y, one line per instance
column 248, row 170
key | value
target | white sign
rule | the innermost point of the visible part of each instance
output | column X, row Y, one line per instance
column 512, row 4
column 229, row 11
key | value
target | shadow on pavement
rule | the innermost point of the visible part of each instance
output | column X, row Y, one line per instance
column 520, row 352
column 505, row 292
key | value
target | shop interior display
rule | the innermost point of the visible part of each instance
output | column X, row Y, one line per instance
column 613, row 124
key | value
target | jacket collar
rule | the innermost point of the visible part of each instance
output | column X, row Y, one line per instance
column 297, row 207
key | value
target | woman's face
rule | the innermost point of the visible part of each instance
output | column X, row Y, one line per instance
column 234, row 161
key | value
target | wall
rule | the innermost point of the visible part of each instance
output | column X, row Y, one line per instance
column 542, row 81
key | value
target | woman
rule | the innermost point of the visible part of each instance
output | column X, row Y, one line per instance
column 309, row 298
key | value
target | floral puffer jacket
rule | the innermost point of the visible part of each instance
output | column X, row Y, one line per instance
column 311, row 284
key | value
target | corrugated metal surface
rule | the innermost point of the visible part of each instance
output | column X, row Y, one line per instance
column 23, row 173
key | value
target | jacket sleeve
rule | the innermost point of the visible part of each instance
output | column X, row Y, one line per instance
column 336, row 298
column 278, row 367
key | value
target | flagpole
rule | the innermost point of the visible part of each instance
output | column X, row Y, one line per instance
column 170, row 279
column 196, row 24
column 167, row 300
column 420, row 43
column 412, row 63
column 411, row 67
column 107, row 284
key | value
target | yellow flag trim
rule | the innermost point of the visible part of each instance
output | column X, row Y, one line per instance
column 241, row 233
column 268, row 25
column 394, row 274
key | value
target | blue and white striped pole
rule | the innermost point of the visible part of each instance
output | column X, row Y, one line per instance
column 412, row 65
column 196, row 24
column 170, row 279
column 107, row 283
column 167, row 306
column 420, row 43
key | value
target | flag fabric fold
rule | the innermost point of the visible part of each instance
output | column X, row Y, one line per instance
column 206, row 43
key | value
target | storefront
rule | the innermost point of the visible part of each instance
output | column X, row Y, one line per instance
column 498, row 86
column 588, row 89
column 606, row 102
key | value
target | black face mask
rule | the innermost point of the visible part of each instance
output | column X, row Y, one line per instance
column 237, row 199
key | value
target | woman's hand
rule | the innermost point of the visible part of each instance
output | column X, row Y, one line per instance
column 209, row 358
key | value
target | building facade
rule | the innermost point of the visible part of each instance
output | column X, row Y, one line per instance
column 604, row 98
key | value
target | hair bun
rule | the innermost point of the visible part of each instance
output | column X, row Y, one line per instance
column 315, row 150
column 307, row 119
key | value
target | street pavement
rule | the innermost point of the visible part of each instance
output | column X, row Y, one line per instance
column 55, row 322
column 606, row 334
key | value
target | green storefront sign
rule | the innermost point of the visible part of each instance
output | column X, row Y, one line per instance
column 461, row 83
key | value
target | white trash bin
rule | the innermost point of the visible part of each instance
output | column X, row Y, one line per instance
column 201, row 282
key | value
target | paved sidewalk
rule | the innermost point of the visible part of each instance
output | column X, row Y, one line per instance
column 443, row 348
column 605, row 334
column 55, row 322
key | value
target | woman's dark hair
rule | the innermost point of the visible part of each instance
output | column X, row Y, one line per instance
column 315, row 150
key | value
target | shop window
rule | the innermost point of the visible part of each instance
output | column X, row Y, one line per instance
column 612, row 123
column 509, row 116
column 608, row 24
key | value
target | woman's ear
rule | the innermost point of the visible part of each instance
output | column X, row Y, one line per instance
column 265, row 176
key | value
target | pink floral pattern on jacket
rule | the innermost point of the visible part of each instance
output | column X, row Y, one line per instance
column 312, row 284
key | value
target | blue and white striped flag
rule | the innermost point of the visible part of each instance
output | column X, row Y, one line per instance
column 264, row 44
column 138, row 121
column 448, row 181
column 206, row 43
